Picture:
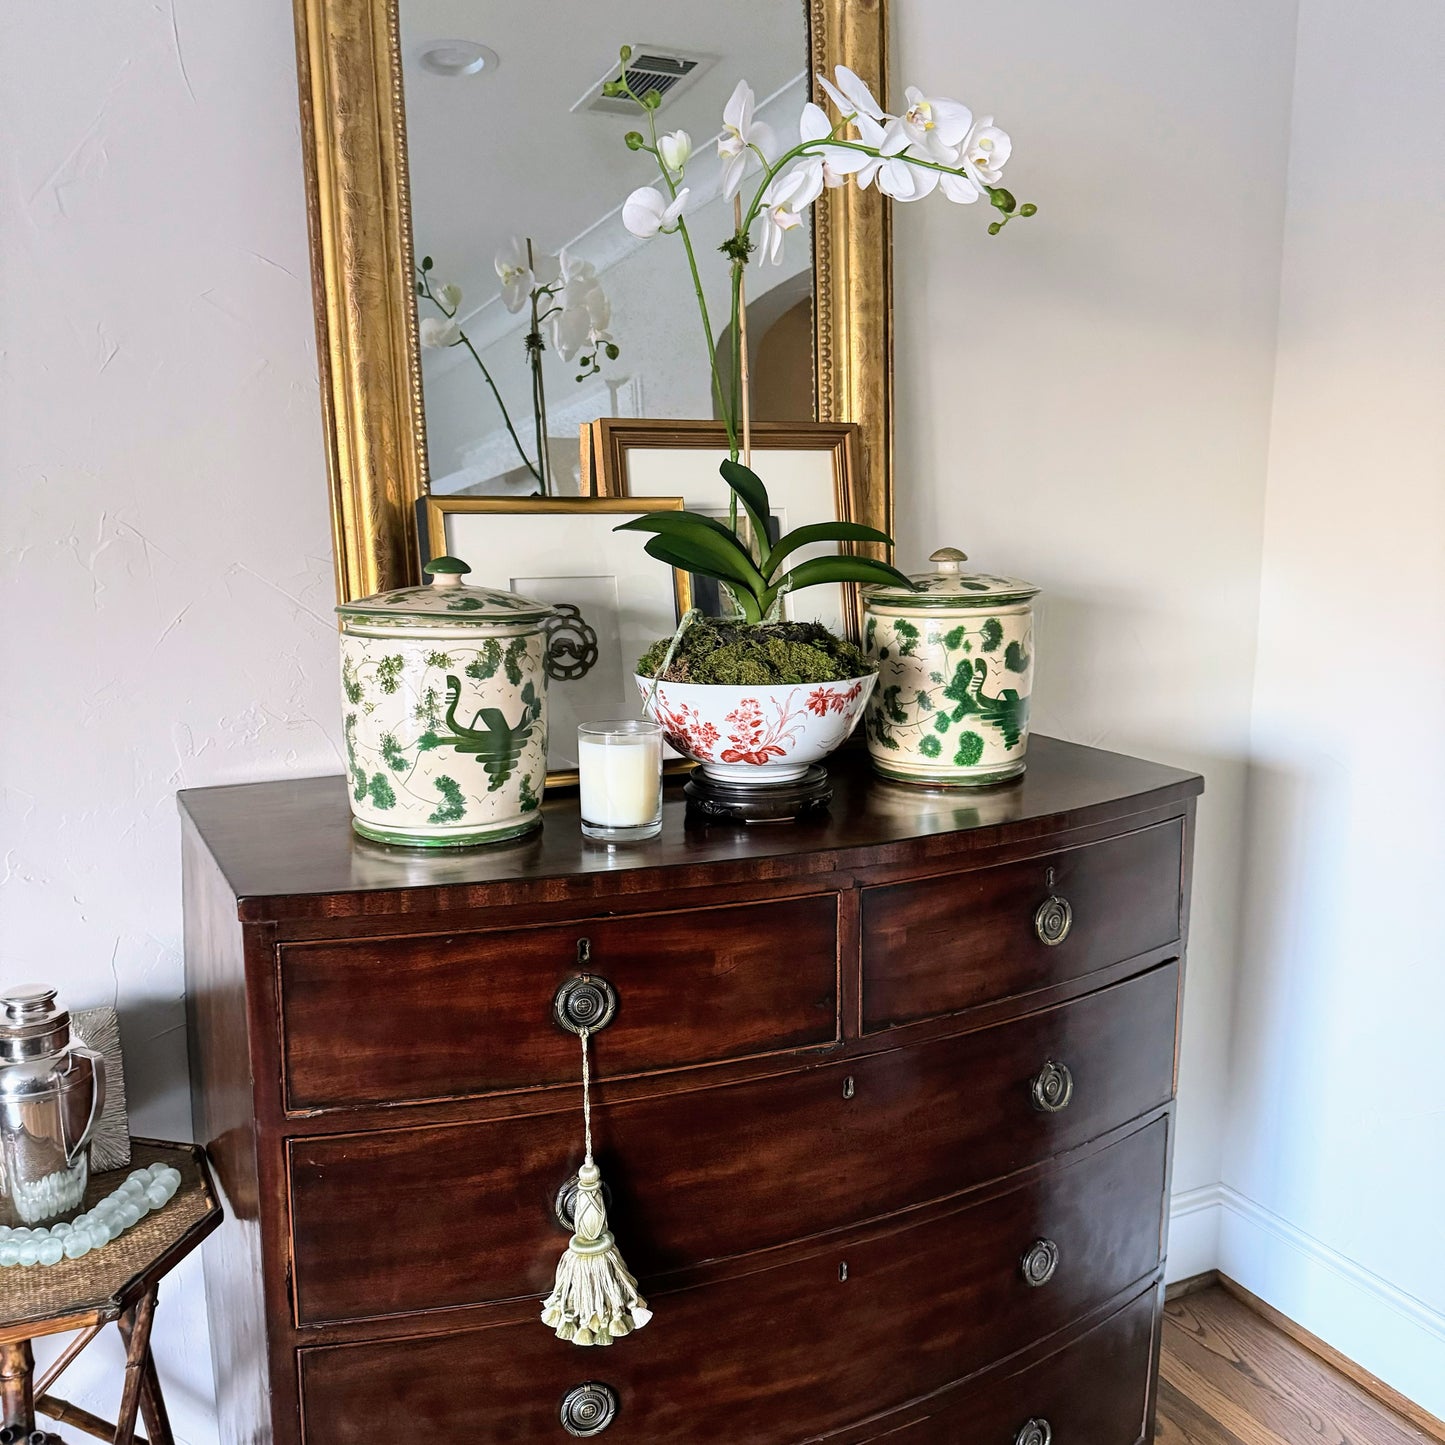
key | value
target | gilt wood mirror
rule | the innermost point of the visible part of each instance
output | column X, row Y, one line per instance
column 442, row 129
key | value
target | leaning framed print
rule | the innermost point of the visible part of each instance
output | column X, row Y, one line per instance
column 613, row 600
column 809, row 468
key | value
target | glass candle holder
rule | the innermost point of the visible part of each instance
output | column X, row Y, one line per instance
column 619, row 766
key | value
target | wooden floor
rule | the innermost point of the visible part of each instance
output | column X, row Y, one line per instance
column 1229, row 1378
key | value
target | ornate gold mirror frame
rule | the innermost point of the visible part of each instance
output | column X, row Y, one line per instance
column 354, row 137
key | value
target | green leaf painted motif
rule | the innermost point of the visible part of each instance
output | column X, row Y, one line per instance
column 359, row 782
column 892, row 706
column 428, row 741
column 908, row 638
column 428, row 708
column 381, row 793
column 934, row 640
column 960, row 690
column 970, row 750
column 870, row 632
column 388, row 673
column 392, row 754
column 953, row 639
column 350, row 682
column 486, row 662
column 942, row 721
column 527, row 799
column 925, row 702
column 991, row 634
column 438, row 659
column 516, row 652
column 936, row 677
column 1015, row 658
column 454, row 806
column 465, row 604
column 930, row 746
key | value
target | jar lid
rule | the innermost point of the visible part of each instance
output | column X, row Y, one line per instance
column 948, row 585
column 447, row 600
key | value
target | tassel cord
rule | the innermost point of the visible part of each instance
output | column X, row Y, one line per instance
column 586, row 1095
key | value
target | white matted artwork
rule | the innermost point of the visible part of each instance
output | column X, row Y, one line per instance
column 807, row 468
column 613, row 600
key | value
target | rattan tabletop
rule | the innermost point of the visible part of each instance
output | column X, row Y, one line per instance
column 43, row 1300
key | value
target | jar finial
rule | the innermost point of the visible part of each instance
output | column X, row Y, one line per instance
column 948, row 559
column 446, row 571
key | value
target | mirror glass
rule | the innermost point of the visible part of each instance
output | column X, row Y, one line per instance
column 510, row 141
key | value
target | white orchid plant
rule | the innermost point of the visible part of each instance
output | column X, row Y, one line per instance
column 935, row 144
column 565, row 298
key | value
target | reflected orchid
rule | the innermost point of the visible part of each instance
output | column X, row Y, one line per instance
column 851, row 96
column 436, row 332
column 515, row 274
column 647, row 211
column 743, row 139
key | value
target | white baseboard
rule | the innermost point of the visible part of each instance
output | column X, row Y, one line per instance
column 1388, row 1332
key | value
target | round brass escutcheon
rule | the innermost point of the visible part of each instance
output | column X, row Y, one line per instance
column 1035, row 1432
column 585, row 1002
column 1052, row 1088
column 1052, row 920
column 588, row 1409
column 1039, row 1263
column 564, row 1206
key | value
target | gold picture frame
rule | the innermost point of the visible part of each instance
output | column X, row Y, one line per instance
column 434, row 512
column 353, row 132
column 615, row 440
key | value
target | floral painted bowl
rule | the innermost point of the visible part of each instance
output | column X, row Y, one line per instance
column 761, row 734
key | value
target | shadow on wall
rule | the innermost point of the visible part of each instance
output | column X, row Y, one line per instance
column 157, row 1074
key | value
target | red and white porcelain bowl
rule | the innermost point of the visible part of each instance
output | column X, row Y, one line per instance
column 757, row 734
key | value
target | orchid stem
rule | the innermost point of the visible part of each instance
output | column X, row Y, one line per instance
column 465, row 340
column 539, row 395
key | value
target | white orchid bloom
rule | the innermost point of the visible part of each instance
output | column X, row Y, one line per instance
column 546, row 270
column 986, row 149
column 742, row 137
column 448, row 297
column 851, row 95
column 675, row 148
column 647, row 211
column 784, row 201
column 828, row 166
column 514, row 273
column 962, row 189
column 933, row 128
column 439, row 331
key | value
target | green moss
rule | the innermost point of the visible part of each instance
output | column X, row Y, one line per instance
column 740, row 655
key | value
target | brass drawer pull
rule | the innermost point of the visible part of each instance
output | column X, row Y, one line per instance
column 1035, row 1432
column 585, row 1002
column 1052, row 920
column 588, row 1409
column 1039, row 1263
column 1052, row 1088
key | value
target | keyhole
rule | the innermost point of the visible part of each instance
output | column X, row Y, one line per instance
column 584, row 947
column 848, row 1087
column 1048, row 878
column 843, row 1272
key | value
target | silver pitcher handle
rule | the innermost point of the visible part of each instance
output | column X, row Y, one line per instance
column 97, row 1103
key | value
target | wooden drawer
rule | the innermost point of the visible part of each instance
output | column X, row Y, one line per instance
column 782, row 1353
column 939, row 945
column 400, row 1019
column 1095, row 1391
column 709, row 1173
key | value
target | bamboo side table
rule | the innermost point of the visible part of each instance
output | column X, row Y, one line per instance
column 117, row 1284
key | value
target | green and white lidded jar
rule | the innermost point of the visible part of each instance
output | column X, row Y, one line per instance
column 444, row 702
column 955, row 673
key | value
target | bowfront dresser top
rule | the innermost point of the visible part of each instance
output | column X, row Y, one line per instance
column 885, row 1111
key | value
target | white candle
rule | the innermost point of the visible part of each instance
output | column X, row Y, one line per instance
column 620, row 771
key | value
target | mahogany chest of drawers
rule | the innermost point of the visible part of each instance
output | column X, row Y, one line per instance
column 885, row 1110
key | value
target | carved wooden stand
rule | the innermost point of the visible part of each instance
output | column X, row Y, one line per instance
column 77, row 1298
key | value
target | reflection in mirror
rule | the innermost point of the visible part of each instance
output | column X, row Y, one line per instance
column 514, row 152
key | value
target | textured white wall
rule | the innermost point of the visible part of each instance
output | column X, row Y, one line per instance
column 1336, row 1152
column 165, row 568
column 1084, row 400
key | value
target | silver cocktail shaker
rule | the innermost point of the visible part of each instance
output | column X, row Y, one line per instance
column 51, row 1095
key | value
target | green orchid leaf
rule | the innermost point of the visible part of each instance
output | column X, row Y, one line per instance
column 823, row 532
column 681, row 553
column 683, row 524
column 750, row 491
column 819, row 570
